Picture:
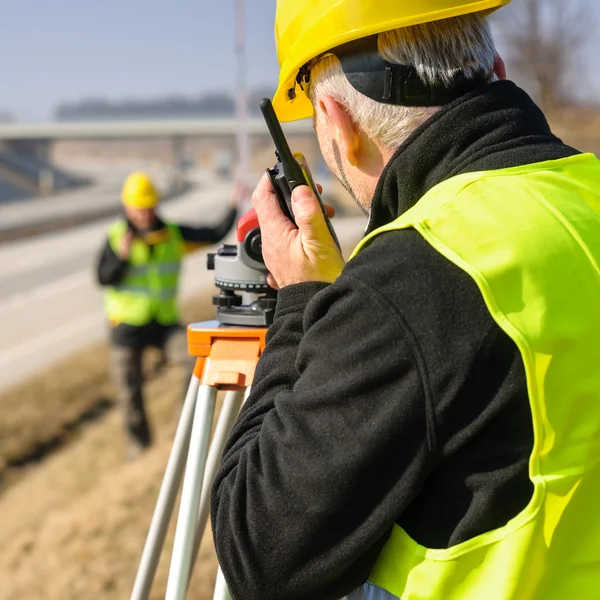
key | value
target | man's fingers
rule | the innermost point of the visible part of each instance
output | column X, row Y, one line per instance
column 306, row 207
column 308, row 214
column 328, row 209
column 267, row 208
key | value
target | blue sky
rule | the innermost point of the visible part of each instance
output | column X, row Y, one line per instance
column 64, row 50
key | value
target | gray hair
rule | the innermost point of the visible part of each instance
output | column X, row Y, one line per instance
column 438, row 51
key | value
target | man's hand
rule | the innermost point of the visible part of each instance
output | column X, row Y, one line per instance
column 125, row 248
column 296, row 255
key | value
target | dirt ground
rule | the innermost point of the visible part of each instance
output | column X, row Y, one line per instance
column 73, row 524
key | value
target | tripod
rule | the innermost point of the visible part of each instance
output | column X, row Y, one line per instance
column 226, row 351
column 226, row 359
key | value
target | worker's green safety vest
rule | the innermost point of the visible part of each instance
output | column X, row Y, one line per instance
column 149, row 289
column 530, row 238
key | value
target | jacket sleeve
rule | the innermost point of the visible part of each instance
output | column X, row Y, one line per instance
column 330, row 447
column 197, row 237
column 110, row 268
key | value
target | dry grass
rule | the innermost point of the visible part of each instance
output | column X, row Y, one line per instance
column 74, row 526
column 43, row 409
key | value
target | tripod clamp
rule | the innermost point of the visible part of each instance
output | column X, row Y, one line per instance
column 226, row 357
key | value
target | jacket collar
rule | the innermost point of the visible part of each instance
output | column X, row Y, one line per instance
column 497, row 126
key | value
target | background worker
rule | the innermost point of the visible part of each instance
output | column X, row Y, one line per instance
column 424, row 423
column 140, row 266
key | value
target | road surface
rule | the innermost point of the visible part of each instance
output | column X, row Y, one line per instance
column 50, row 304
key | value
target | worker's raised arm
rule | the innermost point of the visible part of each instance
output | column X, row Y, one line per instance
column 197, row 237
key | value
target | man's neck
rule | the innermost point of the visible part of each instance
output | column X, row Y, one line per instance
column 142, row 231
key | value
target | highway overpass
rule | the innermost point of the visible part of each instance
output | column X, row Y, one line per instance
column 12, row 132
column 33, row 142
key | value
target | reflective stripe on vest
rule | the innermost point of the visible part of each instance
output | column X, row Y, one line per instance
column 530, row 239
column 164, row 294
column 162, row 268
column 148, row 290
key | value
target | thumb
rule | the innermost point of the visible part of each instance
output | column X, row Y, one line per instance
column 308, row 214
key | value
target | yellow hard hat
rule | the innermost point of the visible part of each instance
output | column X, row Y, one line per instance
column 304, row 29
column 139, row 191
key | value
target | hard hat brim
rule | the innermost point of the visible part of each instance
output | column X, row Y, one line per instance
column 291, row 110
column 143, row 202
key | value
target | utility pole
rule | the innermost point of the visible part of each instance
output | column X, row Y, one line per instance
column 242, row 183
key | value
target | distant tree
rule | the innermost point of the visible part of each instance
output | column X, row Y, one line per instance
column 216, row 104
column 545, row 40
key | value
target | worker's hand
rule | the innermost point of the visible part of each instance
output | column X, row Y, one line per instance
column 125, row 248
column 292, row 255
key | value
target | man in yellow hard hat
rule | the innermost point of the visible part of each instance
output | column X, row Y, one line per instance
column 140, row 266
column 424, row 422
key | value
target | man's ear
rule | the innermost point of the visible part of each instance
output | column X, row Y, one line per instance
column 500, row 68
column 341, row 128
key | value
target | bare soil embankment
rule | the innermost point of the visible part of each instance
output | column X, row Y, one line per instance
column 73, row 513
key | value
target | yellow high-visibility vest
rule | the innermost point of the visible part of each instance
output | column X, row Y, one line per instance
column 149, row 289
column 530, row 238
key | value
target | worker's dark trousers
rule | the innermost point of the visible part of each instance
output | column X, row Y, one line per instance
column 126, row 368
column 370, row 592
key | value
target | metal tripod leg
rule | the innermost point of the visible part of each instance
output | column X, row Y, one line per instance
column 166, row 498
column 231, row 407
column 221, row 591
column 185, row 532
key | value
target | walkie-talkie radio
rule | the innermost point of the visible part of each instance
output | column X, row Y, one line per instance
column 290, row 171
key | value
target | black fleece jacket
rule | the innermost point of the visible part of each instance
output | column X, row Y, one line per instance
column 390, row 396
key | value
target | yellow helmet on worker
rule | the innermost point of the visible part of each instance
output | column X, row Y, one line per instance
column 305, row 29
column 139, row 191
